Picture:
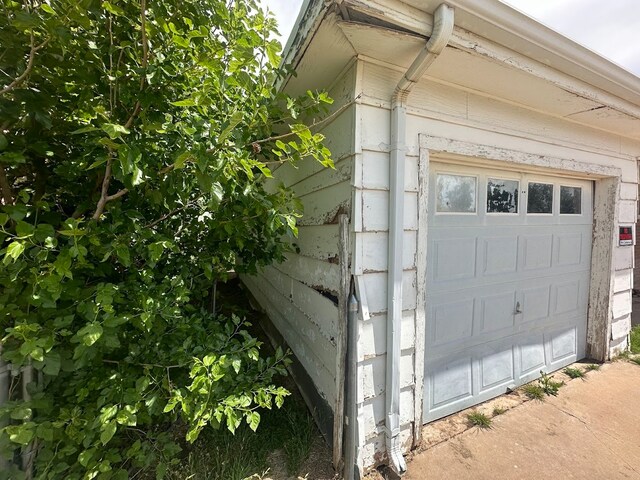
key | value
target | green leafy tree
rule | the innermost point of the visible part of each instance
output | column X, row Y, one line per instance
column 134, row 141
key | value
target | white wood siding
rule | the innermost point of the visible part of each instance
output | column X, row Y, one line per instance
column 441, row 109
column 300, row 295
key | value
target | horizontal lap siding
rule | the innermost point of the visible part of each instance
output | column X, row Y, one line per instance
column 442, row 110
column 300, row 294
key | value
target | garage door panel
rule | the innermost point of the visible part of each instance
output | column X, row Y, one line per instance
column 535, row 303
column 566, row 298
column 452, row 382
column 497, row 312
column 500, row 255
column 568, row 249
column 563, row 344
column 537, row 251
column 452, row 322
column 507, row 293
column 531, row 355
column 455, row 259
column 496, row 369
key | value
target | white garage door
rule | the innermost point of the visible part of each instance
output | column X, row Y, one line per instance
column 508, row 263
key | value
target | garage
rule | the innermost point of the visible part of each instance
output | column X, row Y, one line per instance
column 508, row 271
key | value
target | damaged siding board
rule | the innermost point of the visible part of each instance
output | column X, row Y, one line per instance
column 322, row 377
column 319, row 242
column 373, row 370
column 373, row 412
column 622, row 280
column 317, row 274
column 321, row 316
column 325, row 177
column 325, row 205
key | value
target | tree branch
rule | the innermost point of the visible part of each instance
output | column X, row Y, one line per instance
column 32, row 55
column 313, row 125
column 104, row 193
column 5, row 187
column 105, row 188
column 172, row 213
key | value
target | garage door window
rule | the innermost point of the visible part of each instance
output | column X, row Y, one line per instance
column 502, row 195
column 570, row 200
column 540, row 198
column 456, row 193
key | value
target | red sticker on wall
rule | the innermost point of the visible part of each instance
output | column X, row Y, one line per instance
column 625, row 237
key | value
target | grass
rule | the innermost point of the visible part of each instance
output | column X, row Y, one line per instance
column 634, row 345
column 478, row 419
column 592, row 367
column 635, row 360
column 534, row 391
column 220, row 455
column 498, row 411
column 572, row 372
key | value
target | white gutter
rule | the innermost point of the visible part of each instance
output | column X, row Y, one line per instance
column 442, row 30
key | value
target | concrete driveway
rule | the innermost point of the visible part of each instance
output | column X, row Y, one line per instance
column 590, row 431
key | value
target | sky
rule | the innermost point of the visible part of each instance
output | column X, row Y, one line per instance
column 611, row 28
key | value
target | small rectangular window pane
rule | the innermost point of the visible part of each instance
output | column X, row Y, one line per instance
column 540, row 198
column 570, row 200
column 502, row 195
column 455, row 194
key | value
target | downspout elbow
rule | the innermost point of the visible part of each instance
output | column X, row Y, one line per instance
column 442, row 31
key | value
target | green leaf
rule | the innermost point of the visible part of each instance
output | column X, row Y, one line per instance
column 4, row 143
column 77, row 232
column 114, row 131
column 108, row 431
column 273, row 48
column 114, row 9
column 91, row 334
column 122, row 251
column 45, row 431
column 236, row 364
column 87, row 129
column 21, row 413
column 14, row 250
column 235, row 119
column 85, row 457
column 253, row 419
column 127, row 418
column 21, row 434
column 51, row 364
column 4, row 218
column 24, row 229
column 47, row 9
column 187, row 102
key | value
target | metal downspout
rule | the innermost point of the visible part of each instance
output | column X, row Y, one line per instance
column 442, row 30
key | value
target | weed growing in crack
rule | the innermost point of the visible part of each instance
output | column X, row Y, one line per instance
column 498, row 411
column 572, row 372
column 478, row 419
column 592, row 367
column 534, row 392
column 548, row 384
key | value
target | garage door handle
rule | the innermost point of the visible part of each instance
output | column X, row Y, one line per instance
column 518, row 309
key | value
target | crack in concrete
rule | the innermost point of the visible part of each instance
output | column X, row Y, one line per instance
column 586, row 425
